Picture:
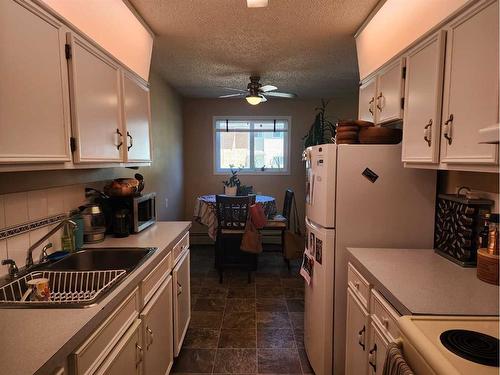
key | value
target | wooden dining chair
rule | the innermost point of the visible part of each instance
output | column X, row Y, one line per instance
column 281, row 221
column 232, row 215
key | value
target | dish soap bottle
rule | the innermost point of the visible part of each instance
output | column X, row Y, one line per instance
column 68, row 239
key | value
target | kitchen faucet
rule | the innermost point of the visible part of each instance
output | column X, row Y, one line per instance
column 29, row 256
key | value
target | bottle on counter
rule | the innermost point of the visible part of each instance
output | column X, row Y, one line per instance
column 68, row 239
column 493, row 235
column 77, row 217
column 488, row 255
column 483, row 234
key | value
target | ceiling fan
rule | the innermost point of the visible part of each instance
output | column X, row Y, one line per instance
column 256, row 93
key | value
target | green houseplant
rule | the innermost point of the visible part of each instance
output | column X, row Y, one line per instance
column 232, row 184
column 322, row 130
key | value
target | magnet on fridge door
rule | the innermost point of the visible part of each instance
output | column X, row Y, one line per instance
column 319, row 251
column 312, row 241
column 306, row 269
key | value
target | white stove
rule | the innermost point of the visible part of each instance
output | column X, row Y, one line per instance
column 438, row 344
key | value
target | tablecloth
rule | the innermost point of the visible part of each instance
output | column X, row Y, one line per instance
column 204, row 211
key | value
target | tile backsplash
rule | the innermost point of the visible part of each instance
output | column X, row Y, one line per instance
column 34, row 207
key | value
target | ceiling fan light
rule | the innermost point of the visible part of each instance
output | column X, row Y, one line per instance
column 254, row 99
column 257, row 3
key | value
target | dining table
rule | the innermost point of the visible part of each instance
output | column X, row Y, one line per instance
column 204, row 210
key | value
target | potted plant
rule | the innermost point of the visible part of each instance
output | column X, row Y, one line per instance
column 322, row 130
column 232, row 184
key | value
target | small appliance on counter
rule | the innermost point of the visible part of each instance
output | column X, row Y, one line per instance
column 458, row 225
column 121, row 223
column 141, row 211
column 94, row 223
column 126, row 209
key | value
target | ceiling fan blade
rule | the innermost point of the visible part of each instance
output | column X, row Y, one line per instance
column 267, row 88
column 232, row 89
column 263, row 99
column 281, row 95
column 232, row 95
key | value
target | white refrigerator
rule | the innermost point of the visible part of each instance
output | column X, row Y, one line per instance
column 356, row 196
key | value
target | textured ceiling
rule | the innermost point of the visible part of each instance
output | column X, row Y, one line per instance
column 301, row 46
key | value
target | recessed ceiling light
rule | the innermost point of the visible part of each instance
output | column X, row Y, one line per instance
column 257, row 3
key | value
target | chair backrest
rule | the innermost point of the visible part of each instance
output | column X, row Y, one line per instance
column 232, row 212
column 287, row 204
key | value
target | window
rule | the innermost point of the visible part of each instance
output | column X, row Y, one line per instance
column 253, row 145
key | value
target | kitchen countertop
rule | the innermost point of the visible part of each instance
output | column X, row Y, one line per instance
column 39, row 340
column 421, row 282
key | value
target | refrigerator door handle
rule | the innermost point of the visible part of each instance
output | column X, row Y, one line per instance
column 312, row 189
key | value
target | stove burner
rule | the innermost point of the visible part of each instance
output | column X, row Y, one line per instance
column 473, row 346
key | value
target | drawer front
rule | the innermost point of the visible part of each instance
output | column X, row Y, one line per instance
column 88, row 357
column 182, row 245
column 385, row 315
column 359, row 285
column 153, row 281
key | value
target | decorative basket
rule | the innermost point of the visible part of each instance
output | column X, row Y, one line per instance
column 458, row 222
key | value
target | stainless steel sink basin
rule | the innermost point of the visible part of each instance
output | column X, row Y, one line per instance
column 102, row 259
column 79, row 280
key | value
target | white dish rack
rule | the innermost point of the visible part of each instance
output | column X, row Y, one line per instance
column 66, row 287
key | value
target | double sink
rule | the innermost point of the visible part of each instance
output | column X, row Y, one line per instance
column 80, row 279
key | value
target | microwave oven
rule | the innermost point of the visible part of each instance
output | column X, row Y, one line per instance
column 141, row 210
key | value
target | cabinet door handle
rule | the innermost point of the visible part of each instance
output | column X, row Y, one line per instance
column 131, row 141
column 150, row 336
column 361, row 338
column 370, row 109
column 428, row 133
column 372, row 358
column 179, row 289
column 380, row 97
column 447, row 129
column 139, row 353
column 119, row 139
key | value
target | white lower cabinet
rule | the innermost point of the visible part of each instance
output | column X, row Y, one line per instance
column 182, row 300
column 142, row 335
column 158, row 335
column 128, row 354
column 370, row 327
column 357, row 336
column 377, row 350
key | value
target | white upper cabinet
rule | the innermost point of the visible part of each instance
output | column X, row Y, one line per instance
column 380, row 95
column 34, row 101
column 137, row 119
column 366, row 105
column 423, row 90
column 96, row 104
column 390, row 86
column 470, row 85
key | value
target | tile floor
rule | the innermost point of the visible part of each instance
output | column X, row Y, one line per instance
column 242, row 328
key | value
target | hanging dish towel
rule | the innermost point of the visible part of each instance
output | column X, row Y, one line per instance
column 395, row 363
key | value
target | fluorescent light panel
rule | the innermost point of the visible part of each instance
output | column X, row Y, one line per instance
column 257, row 3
